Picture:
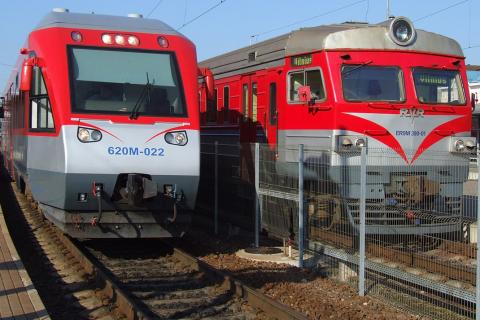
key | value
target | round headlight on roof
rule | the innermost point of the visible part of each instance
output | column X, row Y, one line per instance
column 402, row 31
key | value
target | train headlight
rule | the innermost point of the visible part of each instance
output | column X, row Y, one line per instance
column 360, row 143
column 350, row 143
column 86, row 135
column 107, row 38
column 133, row 41
column 76, row 36
column 83, row 135
column 347, row 142
column 470, row 145
column 178, row 138
column 119, row 39
column 463, row 144
column 95, row 135
column 459, row 145
column 402, row 31
column 162, row 42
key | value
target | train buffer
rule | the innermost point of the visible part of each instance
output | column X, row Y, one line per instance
column 18, row 297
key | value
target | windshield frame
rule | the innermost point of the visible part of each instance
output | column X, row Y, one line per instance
column 175, row 69
column 439, row 103
column 401, row 81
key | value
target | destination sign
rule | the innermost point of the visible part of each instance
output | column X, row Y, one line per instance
column 431, row 79
column 303, row 60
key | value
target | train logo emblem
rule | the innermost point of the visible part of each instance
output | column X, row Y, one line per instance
column 412, row 113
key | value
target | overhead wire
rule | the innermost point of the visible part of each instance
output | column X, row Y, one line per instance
column 201, row 14
column 154, row 8
column 308, row 19
column 441, row 10
column 472, row 47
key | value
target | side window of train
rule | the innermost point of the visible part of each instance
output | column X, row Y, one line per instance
column 312, row 78
column 41, row 117
column 245, row 102
column 254, row 102
column 226, row 103
column 273, row 103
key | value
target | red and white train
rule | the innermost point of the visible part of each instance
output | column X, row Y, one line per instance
column 101, row 124
column 339, row 87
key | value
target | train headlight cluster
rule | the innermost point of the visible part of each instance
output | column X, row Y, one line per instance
column 463, row 144
column 350, row 143
column 120, row 39
column 402, row 31
column 86, row 135
column 178, row 138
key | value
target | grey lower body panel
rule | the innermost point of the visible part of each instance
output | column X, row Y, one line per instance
column 60, row 190
column 119, row 224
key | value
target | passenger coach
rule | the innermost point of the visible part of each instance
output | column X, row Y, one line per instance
column 102, row 125
column 341, row 87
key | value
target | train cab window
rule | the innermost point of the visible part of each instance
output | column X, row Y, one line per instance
column 245, row 102
column 125, row 82
column 41, row 117
column 312, row 78
column 438, row 86
column 372, row 83
column 212, row 107
column 226, row 103
column 273, row 103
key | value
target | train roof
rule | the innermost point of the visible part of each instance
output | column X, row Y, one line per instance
column 349, row 35
column 104, row 22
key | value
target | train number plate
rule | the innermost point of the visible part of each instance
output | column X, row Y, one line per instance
column 136, row 151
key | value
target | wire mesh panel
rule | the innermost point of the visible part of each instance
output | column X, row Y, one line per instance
column 234, row 179
column 416, row 233
column 420, row 216
column 419, row 221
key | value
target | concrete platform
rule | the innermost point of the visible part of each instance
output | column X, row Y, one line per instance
column 18, row 297
column 276, row 257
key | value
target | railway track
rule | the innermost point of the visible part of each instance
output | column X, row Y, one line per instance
column 413, row 258
column 419, row 264
column 143, row 279
column 169, row 284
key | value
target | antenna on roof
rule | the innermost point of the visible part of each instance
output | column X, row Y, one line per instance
column 388, row 9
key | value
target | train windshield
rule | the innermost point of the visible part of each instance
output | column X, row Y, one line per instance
column 372, row 83
column 123, row 82
column 438, row 86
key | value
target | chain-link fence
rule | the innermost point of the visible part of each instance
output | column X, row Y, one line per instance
column 398, row 225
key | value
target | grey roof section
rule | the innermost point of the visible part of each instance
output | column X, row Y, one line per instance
column 272, row 52
column 104, row 22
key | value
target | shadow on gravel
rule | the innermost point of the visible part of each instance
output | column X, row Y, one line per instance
column 130, row 248
column 54, row 292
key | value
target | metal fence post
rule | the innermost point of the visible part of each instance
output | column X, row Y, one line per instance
column 363, row 188
column 257, row 190
column 215, row 223
column 301, row 218
column 477, row 283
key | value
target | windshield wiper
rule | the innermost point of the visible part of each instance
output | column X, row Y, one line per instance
column 357, row 67
column 145, row 94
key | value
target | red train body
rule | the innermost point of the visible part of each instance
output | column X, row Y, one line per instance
column 110, row 104
column 340, row 87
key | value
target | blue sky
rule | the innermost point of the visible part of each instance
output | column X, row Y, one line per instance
column 231, row 24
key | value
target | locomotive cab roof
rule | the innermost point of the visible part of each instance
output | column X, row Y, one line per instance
column 345, row 36
column 104, row 22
